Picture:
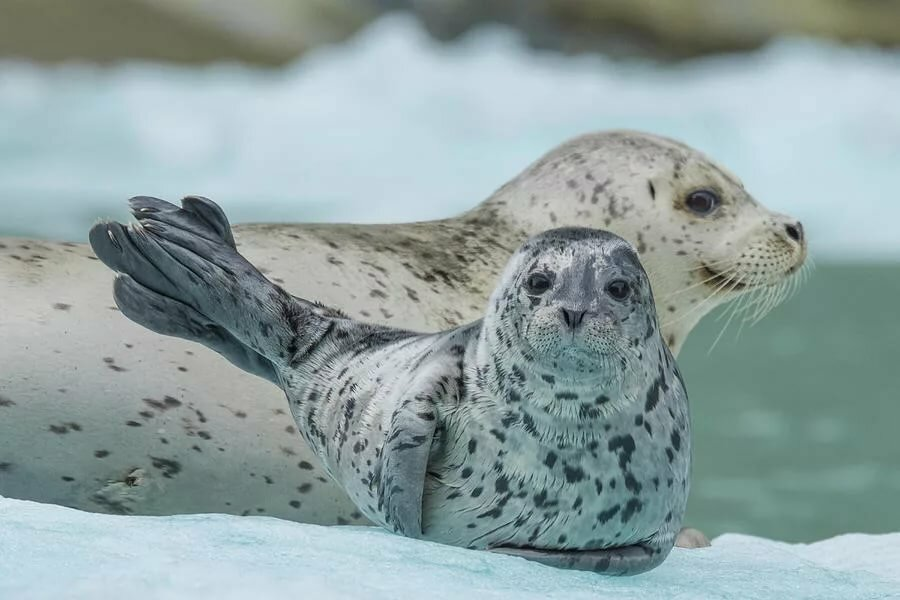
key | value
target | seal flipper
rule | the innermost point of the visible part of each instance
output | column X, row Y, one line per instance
column 404, row 465
column 627, row 560
column 212, row 214
column 187, row 255
column 209, row 221
column 166, row 316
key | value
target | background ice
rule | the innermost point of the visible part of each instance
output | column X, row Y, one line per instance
column 53, row 552
column 392, row 126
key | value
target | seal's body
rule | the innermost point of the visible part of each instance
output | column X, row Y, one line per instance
column 99, row 414
column 556, row 428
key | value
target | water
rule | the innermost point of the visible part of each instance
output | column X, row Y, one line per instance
column 795, row 423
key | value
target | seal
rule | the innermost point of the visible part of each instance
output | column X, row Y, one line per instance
column 99, row 414
column 556, row 428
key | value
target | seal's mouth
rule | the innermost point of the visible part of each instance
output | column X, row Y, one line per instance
column 720, row 281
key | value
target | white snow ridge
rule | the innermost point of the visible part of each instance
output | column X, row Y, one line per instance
column 53, row 552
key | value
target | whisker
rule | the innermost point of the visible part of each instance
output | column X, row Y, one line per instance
column 725, row 327
column 699, row 283
column 699, row 305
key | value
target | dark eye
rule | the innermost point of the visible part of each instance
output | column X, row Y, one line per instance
column 702, row 202
column 537, row 283
column 618, row 289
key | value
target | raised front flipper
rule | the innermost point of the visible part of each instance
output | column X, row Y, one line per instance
column 404, row 465
column 627, row 560
column 185, row 259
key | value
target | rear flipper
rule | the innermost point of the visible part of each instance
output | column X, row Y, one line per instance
column 627, row 560
column 170, row 317
column 187, row 279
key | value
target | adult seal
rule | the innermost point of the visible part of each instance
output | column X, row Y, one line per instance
column 555, row 429
column 99, row 414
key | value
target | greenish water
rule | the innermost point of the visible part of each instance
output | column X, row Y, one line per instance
column 797, row 422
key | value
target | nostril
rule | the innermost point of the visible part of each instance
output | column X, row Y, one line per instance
column 795, row 231
column 573, row 318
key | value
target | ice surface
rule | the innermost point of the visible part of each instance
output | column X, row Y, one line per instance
column 53, row 552
column 393, row 126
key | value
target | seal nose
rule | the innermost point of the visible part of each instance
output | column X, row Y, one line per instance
column 795, row 231
column 573, row 318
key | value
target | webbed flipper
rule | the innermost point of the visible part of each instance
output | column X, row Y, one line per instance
column 184, row 260
column 627, row 560
column 404, row 466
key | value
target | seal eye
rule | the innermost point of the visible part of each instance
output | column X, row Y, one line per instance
column 618, row 289
column 702, row 202
column 537, row 283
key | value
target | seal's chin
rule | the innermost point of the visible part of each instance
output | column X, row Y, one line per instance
column 587, row 358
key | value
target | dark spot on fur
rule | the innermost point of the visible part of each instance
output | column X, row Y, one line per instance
column 624, row 444
column 632, row 506
column 573, row 474
column 550, row 459
column 101, row 453
column 110, row 362
column 631, row 484
column 606, row 515
column 653, row 395
column 169, row 467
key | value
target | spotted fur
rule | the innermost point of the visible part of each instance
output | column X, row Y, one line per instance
column 59, row 326
column 529, row 432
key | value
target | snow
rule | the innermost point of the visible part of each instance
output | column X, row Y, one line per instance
column 393, row 126
column 53, row 552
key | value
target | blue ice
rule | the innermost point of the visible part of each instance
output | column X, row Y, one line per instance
column 52, row 552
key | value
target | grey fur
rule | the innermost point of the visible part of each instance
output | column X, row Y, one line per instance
column 521, row 433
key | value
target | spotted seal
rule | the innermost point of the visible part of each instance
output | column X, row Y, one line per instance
column 102, row 415
column 556, row 428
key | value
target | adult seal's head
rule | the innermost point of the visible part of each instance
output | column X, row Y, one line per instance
column 703, row 238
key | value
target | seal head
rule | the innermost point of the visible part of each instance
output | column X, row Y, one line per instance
column 575, row 293
column 702, row 236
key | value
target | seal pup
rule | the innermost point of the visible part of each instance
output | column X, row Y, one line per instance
column 101, row 415
column 555, row 429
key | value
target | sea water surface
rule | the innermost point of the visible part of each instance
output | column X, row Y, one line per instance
column 795, row 420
